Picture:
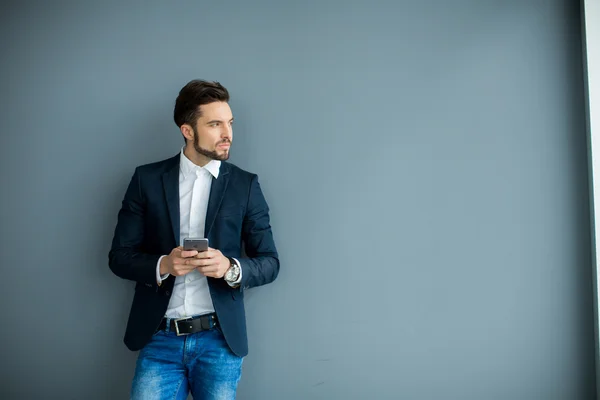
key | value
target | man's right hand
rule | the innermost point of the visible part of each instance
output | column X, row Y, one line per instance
column 176, row 263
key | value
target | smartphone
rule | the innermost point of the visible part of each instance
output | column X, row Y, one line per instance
column 195, row 244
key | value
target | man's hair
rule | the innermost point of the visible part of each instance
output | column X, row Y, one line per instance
column 192, row 96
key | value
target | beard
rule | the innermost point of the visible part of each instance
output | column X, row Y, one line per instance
column 212, row 154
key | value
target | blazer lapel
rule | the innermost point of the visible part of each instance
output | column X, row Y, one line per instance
column 217, row 191
column 171, row 187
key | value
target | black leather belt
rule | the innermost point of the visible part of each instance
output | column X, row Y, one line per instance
column 189, row 325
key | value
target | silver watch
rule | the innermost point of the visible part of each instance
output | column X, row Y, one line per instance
column 233, row 273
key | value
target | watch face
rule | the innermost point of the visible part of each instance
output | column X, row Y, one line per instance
column 231, row 274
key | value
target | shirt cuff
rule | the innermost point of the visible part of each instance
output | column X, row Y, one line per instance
column 159, row 277
column 239, row 279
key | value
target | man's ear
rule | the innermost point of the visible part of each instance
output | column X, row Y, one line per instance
column 187, row 132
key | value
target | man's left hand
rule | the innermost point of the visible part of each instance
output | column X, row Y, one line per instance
column 212, row 263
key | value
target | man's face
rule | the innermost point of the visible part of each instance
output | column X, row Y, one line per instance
column 213, row 132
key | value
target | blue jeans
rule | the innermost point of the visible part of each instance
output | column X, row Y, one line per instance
column 170, row 365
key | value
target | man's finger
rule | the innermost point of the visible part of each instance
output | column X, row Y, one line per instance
column 181, row 261
column 185, row 264
column 188, row 253
column 206, row 271
column 210, row 253
column 178, row 260
column 208, row 268
column 201, row 262
column 208, row 264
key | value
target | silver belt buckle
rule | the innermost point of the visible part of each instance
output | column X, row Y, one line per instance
column 177, row 325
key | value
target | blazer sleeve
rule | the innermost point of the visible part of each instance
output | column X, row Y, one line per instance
column 126, row 258
column 262, row 263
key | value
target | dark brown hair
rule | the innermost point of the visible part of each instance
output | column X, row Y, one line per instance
column 192, row 96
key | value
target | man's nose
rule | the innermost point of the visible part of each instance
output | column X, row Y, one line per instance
column 227, row 132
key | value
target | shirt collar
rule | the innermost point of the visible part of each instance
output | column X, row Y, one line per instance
column 188, row 167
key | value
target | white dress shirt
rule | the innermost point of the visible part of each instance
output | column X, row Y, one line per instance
column 191, row 295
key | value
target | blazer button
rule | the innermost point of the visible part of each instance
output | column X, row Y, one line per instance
column 168, row 292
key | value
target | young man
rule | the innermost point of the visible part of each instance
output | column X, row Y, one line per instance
column 187, row 316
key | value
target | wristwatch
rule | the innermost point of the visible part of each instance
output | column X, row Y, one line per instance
column 233, row 273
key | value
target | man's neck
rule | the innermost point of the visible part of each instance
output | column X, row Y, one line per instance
column 198, row 159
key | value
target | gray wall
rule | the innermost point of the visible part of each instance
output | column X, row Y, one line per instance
column 424, row 161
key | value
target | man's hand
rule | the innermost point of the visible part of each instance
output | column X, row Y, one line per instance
column 179, row 262
column 212, row 263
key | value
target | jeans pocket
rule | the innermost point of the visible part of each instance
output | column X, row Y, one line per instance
column 159, row 332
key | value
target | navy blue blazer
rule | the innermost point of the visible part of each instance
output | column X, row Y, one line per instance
column 148, row 227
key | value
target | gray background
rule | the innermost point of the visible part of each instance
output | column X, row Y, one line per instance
column 425, row 163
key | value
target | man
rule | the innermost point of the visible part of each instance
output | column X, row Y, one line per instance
column 187, row 315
